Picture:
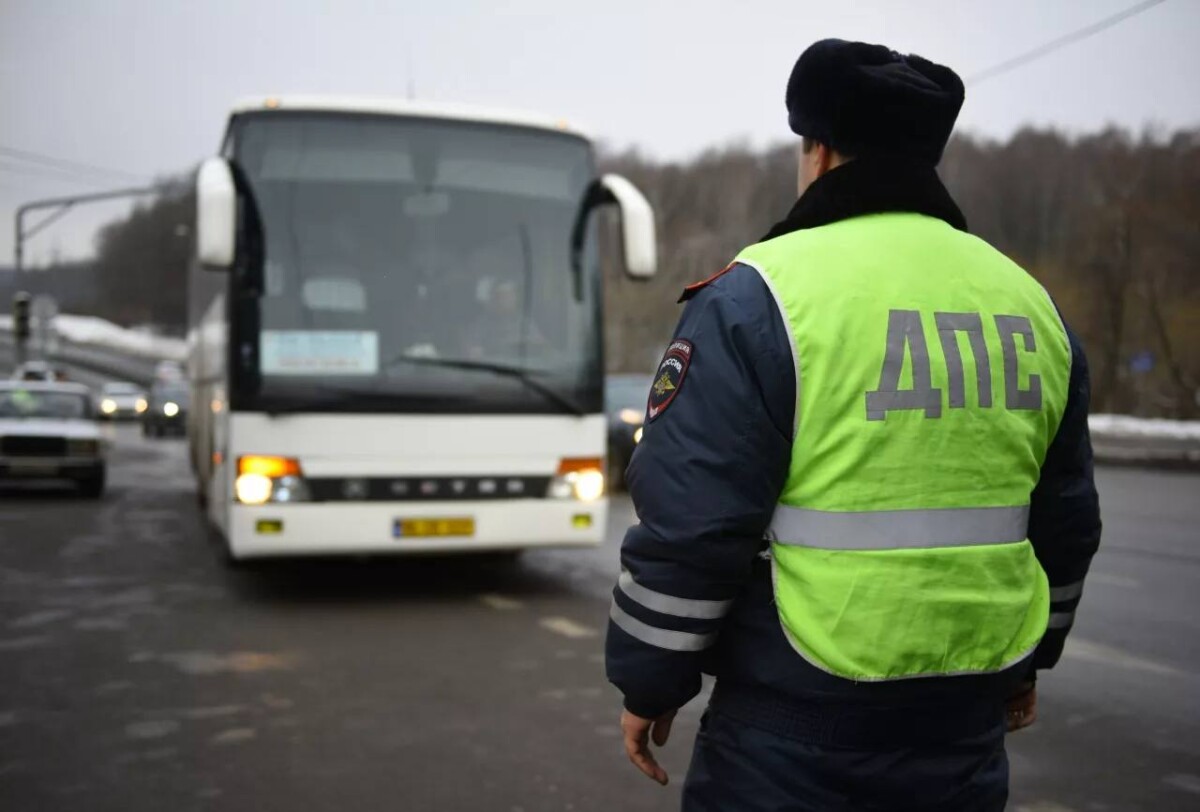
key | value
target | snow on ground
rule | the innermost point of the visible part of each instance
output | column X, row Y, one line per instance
column 94, row 331
column 97, row 332
column 1119, row 425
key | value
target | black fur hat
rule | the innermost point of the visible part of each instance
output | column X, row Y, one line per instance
column 863, row 99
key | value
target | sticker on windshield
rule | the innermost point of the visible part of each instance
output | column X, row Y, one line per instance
column 327, row 352
column 669, row 377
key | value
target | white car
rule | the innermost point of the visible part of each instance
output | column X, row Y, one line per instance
column 49, row 431
column 122, row 401
column 33, row 371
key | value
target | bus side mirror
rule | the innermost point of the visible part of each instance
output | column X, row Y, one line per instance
column 637, row 226
column 216, row 215
column 638, row 238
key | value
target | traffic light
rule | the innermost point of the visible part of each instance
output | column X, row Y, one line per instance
column 21, row 302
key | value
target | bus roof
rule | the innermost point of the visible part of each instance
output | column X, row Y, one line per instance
column 404, row 107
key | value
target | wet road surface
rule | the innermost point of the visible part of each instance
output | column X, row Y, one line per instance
column 139, row 673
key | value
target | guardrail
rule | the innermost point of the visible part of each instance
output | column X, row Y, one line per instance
column 120, row 366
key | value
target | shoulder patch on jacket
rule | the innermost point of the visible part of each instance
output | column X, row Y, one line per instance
column 669, row 377
column 694, row 288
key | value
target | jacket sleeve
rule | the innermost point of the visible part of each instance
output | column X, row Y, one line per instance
column 1064, row 518
column 705, row 480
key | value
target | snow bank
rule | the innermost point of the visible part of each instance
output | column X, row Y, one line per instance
column 93, row 331
column 1124, row 426
column 96, row 332
column 90, row 330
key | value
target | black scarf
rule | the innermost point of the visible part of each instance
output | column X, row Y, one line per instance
column 871, row 186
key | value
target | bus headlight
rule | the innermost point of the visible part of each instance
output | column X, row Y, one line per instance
column 588, row 485
column 253, row 489
column 264, row 479
column 141, row 405
column 170, row 408
column 581, row 479
column 108, row 405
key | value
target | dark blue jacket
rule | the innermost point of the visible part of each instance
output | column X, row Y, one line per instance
column 695, row 593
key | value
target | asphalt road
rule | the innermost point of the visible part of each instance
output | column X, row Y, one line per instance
column 137, row 673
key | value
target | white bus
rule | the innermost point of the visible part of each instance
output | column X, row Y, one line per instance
column 396, row 329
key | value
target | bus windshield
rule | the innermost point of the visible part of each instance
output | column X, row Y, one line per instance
column 394, row 242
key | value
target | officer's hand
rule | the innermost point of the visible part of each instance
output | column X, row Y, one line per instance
column 638, row 732
column 1022, row 708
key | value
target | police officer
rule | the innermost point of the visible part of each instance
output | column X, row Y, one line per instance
column 865, row 486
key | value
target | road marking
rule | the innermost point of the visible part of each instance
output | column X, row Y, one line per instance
column 203, row 663
column 1184, row 781
column 1113, row 580
column 23, row 643
column 41, row 618
column 153, row 729
column 1087, row 651
column 214, row 712
column 567, row 628
column 234, row 735
column 501, row 603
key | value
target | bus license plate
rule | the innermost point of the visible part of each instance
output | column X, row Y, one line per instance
column 427, row 528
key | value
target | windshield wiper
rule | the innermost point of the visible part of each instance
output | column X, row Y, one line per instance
column 518, row 373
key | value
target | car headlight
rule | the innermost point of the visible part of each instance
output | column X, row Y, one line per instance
column 269, row 479
column 631, row 416
column 637, row 434
column 108, row 405
column 83, row 448
column 141, row 405
column 170, row 408
column 580, row 479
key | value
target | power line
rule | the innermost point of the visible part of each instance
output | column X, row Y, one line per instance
column 57, row 175
column 1061, row 42
column 63, row 164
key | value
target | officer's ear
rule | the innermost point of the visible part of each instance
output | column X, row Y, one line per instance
column 813, row 163
column 815, row 159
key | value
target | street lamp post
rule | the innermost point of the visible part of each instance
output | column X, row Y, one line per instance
column 60, row 206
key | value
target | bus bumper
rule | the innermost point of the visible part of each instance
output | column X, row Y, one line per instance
column 301, row 529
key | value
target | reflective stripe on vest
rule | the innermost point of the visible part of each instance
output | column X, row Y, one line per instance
column 931, row 377
column 899, row 529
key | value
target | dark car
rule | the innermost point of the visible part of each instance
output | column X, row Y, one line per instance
column 625, row 402
column 166, row 409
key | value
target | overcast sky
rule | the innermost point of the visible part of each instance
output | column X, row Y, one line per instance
column 143, row 86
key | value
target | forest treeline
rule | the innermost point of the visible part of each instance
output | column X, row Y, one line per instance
column 1109, row 222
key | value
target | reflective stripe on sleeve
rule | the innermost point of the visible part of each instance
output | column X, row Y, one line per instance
column 1061, row 620
column 670, row 605
column 899, row 529
column 659, row 638
column 1066, row 592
